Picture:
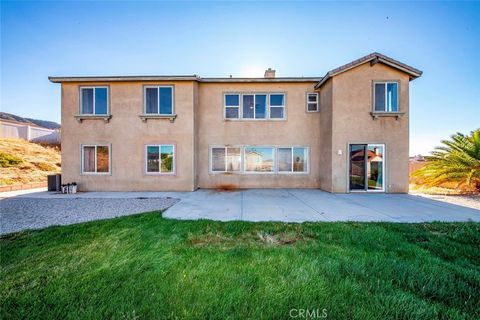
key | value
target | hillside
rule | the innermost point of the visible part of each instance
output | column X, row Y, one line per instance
column 41, row 123
column 23, row 162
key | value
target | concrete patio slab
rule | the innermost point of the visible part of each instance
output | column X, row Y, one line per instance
column 286, row 205
column 335, row 208
column 409, row 208
column 300, row 205
column 208, row 204
column 276, row 205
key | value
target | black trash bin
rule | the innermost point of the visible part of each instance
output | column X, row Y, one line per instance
column 55, row 182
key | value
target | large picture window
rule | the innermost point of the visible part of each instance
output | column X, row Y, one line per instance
column 385, row 96
column 258, row 159
column 160, row 158
column 159, row 100
column 96, row 159
column 254, row 106
column 94, row 100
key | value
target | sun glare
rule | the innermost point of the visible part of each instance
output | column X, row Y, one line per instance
column 252, row 72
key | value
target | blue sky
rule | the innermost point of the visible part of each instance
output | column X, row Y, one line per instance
column 39, row 39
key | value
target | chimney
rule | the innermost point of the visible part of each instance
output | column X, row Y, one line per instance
column 269, row 74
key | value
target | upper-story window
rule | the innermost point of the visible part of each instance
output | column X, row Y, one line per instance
column 277, row 106
column 312, row 102
column 232, row 106
column 254, row 106
column 94, row 100
column 159, row 100
column 251, row 106
column 385, row 96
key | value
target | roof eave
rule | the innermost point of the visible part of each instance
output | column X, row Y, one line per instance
column 122, row 78
column 414, row 73
column 263, row 80
column 179, row 78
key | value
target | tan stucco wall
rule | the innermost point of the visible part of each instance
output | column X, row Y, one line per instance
column 325, row 141
column 299, row 128
column 344, row 117
column 353, row 123
column 128, row 136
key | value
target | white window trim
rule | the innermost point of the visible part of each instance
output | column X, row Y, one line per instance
column 267, row 113
column 82, row 169
column 226, row 155
column 282, row 106
column 274, row 161
column 384, row 165
column 80, row 109
column 267, row 106
column 243, row 170
column 306, row 154
column 158, row 99
column 310, row 102
column 174, row 167
column 225, row 105
column 385, row 83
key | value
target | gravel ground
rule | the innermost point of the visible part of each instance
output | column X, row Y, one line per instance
column 470, row 201
column 18, row 214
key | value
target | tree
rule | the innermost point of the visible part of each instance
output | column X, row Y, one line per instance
column 457, row 161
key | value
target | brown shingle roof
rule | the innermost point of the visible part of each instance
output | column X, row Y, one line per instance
column 375, row 56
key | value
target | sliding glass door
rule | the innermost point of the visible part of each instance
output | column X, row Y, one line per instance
column 367, row 167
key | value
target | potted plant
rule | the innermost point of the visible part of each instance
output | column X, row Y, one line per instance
column 69, row 188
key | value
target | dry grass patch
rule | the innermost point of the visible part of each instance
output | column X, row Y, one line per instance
column 24, row 162
column 258, row 238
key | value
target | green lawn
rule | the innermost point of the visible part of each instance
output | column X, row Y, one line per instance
column 144, row 267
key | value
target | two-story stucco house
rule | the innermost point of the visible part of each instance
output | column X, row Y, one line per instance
column 344, row 132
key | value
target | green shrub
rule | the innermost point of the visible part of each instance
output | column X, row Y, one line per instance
column 8, row 160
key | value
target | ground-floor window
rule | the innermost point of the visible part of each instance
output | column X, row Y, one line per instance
column 259, row 159
column 95, row 159
column 292, row 159
column 226, row 159
column 160, row 158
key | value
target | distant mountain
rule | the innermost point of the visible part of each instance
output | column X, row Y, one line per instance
column 41, row 123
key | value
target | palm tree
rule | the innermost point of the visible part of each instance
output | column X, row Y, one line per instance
column 458, row 161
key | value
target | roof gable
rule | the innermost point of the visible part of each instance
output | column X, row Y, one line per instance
column 372, row 58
